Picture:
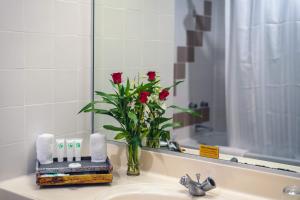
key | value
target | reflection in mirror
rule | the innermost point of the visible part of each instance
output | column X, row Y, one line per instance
column 239, row 65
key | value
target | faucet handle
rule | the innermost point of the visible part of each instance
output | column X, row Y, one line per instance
column 198, row 177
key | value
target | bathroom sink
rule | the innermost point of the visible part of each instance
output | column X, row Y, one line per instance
column 148, row 191
column 145, row 191
column 146, row 197
column 154, row 191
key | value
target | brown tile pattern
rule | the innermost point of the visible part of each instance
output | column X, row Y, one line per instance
column 179, row 71
column 185, row 54
column 207, row 8
column 174, row 89
column 194, row 38
column 188, row 120
column 203, row 23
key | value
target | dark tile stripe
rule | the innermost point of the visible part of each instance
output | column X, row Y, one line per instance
column 203, row 23
column 194, row 38
column 208, row 8
column 179, row 71
column 185, row 54
column 188, row 120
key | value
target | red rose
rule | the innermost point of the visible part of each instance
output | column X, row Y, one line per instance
column 117, row 77
column 151, row 75
column 163, row 94
column 144, row 96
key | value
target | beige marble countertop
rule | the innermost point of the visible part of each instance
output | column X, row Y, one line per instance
column 25, row 186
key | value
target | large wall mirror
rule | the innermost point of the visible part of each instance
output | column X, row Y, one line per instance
column 239, row 61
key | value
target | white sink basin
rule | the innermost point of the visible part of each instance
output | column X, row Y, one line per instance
column 146, row 197
column 149, row 191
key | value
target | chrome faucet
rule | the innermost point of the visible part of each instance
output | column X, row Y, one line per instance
column 195, row 187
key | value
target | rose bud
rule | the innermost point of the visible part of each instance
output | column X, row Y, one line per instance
column 144, row 96
column 117, row 77
column 163, row 95
column 151, row 75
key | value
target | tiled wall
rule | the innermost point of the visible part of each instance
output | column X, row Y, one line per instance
column 133, row 36
column 200, row 60
column 45, row 70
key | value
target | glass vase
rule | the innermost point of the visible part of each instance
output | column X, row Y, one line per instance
column 133, row 158
column 153, row 143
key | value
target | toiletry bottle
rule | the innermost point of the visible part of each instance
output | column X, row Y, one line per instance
column 60, row 149
column 70, row 150
column 77, row 148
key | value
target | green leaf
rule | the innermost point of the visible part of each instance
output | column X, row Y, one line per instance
column 88, row 106
column 175, row 84
column 99, row 111
column 165, row 135
column 127, row 87
column 168, row 125
column 113, row 128
column 103, row 94
column 133, row 117
column 120, row 136
column 186, row 110
column 163, row 119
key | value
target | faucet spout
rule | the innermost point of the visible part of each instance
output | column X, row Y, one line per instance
column 208, row 184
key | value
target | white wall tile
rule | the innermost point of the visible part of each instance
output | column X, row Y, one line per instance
column 112, row 53
column 113, row 22
column 12, row 125
column 150, row 26
column 39, row 16
column 166, row 28
column 150, row 53
column 66, row 17
column 132, row 58
column 133, row 25
column 134, row 4
column 16, row 165
column 84, row 84
column 151, row 5
column 29, row 156
column 85, row 15
column 11, row 50
column 98, row 46
column 86, row 2
column 38, row 119
column 113, row 3
column 167, row 7
column 85, row 52
column 98, row 1
column 66, row 52
column 31, row 51
column 12, row 88
column 98, row 28
column 166, row 55
column 39, row 49
column 11, row 12
column 65, row 85
column 65, row 116
column 84, row 120
column 39, row 86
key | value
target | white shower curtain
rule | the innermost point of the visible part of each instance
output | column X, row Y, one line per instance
column 263, row 76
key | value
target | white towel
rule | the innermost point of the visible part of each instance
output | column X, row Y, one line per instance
column 44, row 148
column 98, row 147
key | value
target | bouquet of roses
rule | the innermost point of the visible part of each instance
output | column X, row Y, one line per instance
column 139, row 108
